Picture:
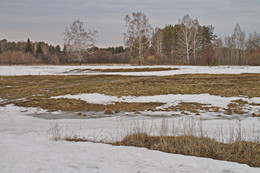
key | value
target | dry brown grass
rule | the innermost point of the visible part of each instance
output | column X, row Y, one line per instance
column 75, row 139
column 256, row 114
column 37, row 90
column 79, row 105
column 236, row 106
column 240, row 151
column 192, row 107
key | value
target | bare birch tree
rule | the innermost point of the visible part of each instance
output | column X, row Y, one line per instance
column 253, row 42
column 189, row 39
column 238, row 40
column 219, row 51
column 78, row 41
column 157, row 42
column 196, row 39
column 253, row 49
column 137, row 37
column 230, row 50
column 236, row 46
column 192, row 38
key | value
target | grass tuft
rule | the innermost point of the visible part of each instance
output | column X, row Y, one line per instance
column 240, row 151
column 108, row 111
column 256, row 114
column 75, row 139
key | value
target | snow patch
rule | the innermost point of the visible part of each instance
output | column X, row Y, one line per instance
column 14, row 109
column 93, row 98
column 169, row 100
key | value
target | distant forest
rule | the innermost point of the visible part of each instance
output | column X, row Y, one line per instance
column 185, row 43
column 43, row 53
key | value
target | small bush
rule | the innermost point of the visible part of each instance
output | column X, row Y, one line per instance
column 108, row 111
column 79, row 114
column 256, row 115
column 55, row 131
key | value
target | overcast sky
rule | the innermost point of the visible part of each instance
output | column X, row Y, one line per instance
column 45, row 20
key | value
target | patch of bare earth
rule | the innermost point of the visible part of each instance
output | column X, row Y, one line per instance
column 191, row 107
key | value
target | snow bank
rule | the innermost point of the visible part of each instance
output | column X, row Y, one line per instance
column 68, row 70
column 169, row 100
column 26, row 147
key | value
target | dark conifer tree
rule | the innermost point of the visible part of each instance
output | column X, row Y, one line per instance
column 28, row 47
column 39, row 49
column 57, row 49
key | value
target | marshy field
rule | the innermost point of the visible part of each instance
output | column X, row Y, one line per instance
column 135, row 118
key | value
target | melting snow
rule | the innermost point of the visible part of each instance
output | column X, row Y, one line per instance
column 169, row 100
column 26, row 147
column 25, row 144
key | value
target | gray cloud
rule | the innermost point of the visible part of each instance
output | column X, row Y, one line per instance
column 46, row 19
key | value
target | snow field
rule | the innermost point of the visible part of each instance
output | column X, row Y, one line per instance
column 65, row 70
column 26, row 143
column 27, row 147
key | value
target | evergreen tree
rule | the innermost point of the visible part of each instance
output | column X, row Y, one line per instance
column 39, row 49
column 28, row 47
column 51, row 49
column 169, row 39
column 57, row 49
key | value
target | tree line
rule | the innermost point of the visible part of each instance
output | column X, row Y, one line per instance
column 42, row 53
column 188, row 42
column 185, row 43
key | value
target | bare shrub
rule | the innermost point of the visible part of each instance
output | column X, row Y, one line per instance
column 55, row 130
